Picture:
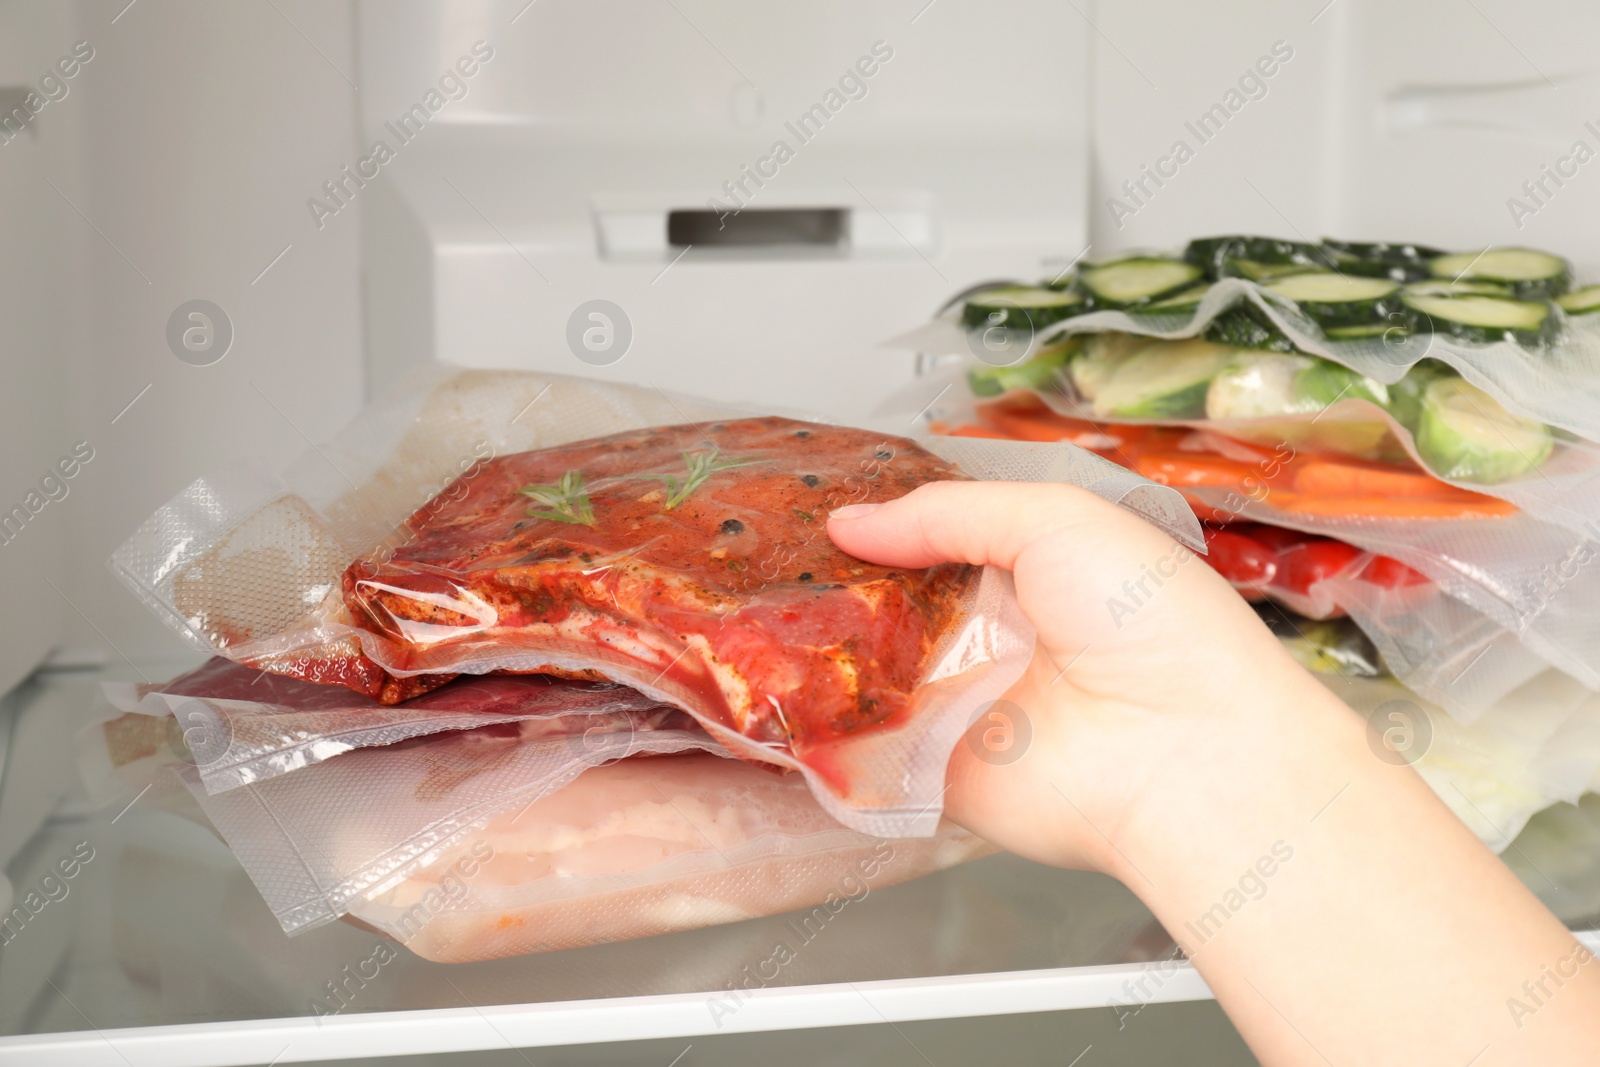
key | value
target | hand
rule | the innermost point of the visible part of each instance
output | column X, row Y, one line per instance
column 1335, row 907
column 1147, row 661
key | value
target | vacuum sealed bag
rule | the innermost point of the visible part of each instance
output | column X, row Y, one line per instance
column 473, row 524
column 324, row 836
column 1538, row 746
column 1295, row 569
column 238, row 725
column 1506, row 320
column 1557, row 855
column 1527, row 578
column 1430, row 436
column 1504, row 596
column 644, row 847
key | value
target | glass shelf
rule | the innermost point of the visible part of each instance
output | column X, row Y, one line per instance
column 159, row 951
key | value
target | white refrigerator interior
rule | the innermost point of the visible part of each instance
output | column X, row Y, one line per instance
column 232, row 224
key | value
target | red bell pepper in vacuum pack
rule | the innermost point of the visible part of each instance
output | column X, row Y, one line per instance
column 1294, row 568
column 684, row 553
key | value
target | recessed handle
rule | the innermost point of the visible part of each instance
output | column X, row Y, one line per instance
column 826, row 227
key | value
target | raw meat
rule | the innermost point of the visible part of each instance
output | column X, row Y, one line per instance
column 239, row 726
column 691, row 559
column 645, row 847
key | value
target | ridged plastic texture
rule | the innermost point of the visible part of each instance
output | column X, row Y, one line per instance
column 316, row 840
column 1527, row 578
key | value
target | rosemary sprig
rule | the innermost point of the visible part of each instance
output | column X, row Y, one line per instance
column 701, row 465
column 566, row 501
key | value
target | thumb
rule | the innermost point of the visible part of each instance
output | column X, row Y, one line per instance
column 977, row 522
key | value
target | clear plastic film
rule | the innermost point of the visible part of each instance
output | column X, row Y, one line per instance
column 645, row 847
column 237, row 725
column 1505, row 595
column 1538, row 745
column 1557, row 855
column 318, row 839
column 1550, row 382
column 688, row 561
column 1527, row 578
column 1437, row 437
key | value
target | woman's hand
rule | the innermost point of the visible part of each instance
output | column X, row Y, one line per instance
column 1337, row 909
column 1147, row 665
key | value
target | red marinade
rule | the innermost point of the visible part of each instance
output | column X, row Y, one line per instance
column 692, row 559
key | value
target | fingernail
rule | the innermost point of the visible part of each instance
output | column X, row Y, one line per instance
column 854, row 511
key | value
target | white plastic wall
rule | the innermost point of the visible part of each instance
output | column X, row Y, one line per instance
column 40, row 271
column 1417, row 121
column 955, row 145
column 194, row 138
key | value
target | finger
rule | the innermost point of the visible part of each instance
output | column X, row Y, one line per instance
column 978, row 523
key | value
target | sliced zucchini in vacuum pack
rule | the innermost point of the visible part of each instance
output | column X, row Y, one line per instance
column 1021, row 307
column 1256, row 258
column 1380, row 259
column 1337, row 299
column 1162, row 380
column 1184, row 303
column 1446, row 287
column 1530, row 274
column 1387, row 328
column 1037, row 373
column 1256, row 385
column 1246, row 326
column 1262, row 273
column 1585, row 301
column 1481, row 318
column 1130, row 283
column 1464, row 433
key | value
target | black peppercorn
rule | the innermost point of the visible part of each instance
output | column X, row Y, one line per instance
column 806, row 576
column 811, row 480
column 733, row 526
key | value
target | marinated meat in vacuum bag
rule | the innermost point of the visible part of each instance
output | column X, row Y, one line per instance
column 690, row 558
column 494, row 530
